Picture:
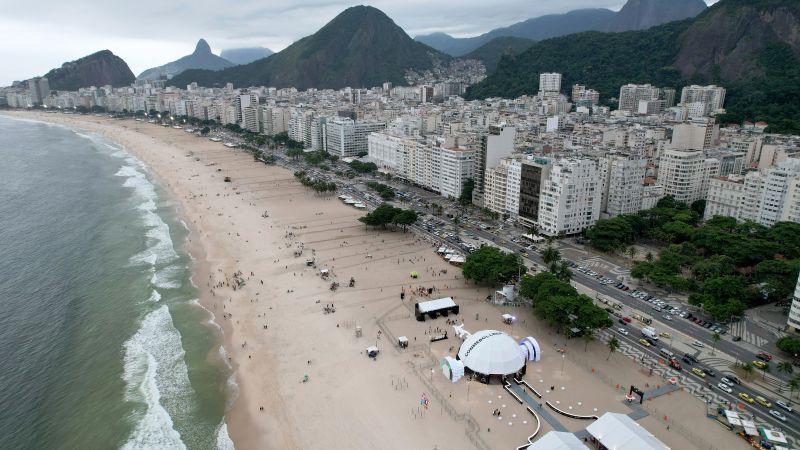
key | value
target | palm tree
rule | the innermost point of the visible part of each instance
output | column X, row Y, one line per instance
column 550, row 255
column 764, row 371
column 564, row 273
column 613, row 345
column 588, row 336
column 748, row 368
column 794, row 383
column 715, row 337
column 631, row 252
column 785, row 367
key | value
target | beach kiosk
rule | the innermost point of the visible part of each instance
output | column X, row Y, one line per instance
column 435, row 308
column 402, row 341
column 372, row 352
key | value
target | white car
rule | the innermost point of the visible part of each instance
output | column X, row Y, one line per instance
column 778, row 415
column 667, row 317
column 725, row 387
column 784, row 405
column 622, row 331
column 727, row 381
column 698, row 344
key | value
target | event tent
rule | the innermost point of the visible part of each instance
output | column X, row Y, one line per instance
column 452, row 368
column 620, row 432
column 491, row 352
column 558, row 440
column 530, row 348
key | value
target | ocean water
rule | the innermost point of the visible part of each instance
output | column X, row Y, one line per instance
column 102, row 341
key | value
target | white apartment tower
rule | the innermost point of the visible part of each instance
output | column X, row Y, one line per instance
column 550, row 82
column 685, row 174
column 631, row 94
column 713, row 96
column 502, row 184
column 774, row 195
column 570, row 197
column 794, row 312
column 347, row 138
column 621, row 183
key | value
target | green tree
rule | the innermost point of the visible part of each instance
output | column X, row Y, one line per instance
column 205, row 131
column 748, row 369
column 294, row 153
column 785, row 367
column 764, row 370
column 631, row 252
column 563, row 273
column 465, row 199
column 492, row 266
column 613, row 346
column 716, row 338
column 794, row 383
column 550, row 255
column 789, row 345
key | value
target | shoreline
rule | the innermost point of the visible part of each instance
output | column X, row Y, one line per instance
column 281, row 334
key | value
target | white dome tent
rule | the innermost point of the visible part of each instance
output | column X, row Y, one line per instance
column 491, row 352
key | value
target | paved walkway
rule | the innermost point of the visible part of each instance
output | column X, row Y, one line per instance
column 537, row 406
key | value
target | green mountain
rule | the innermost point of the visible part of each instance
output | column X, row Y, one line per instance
column 643, row 14
column 750, row 48
column 491, row 52
column 359, row 47
column 201, row 58
column 97, row 69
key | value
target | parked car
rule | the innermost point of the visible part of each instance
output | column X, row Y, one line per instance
column 737, row 338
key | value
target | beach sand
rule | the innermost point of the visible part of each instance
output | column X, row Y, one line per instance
column 276, row 331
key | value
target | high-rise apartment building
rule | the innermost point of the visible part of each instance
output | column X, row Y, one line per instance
column 570, row 197
column 533, row 173
column 772, row 195
column 503, row 187
column 794, row 311
column 631, row 94
column 497, row 143
column 550, row 82
column 685, row 174
column 39, row 90
column 725, row 197
column 713, row 96
column 347, row 138
column 699, row 134
column 621, row 183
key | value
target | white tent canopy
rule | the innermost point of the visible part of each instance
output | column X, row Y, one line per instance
column 491, row 352
column 452, row 368
column 432, row 305
column 556, row 440
column 620, row 432
column 530, row 348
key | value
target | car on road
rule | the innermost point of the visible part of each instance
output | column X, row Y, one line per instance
column 664, row 334
column 622, row 321
column 784, row 405
column 698, row 372
column 675, row 364
column 727, row 380
column 691, row 357
column 734, row 378
column 623, row 331
column 764, row 356
column 667, row 317
column 744, row 396
column 778, row 415
column 709, row 371
column 725, row 387
column 644, row 342
column 760, row 364
column 737, row 338
column 627, row 319
column 697, row 343
column 687, row 360
column 763, row 402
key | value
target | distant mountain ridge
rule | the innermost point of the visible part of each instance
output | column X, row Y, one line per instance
column 98, row 69
column 359, row 47
column 750, row 48
column 245, row 55
column 201, row 58
column 634, row 15
column 491, row 52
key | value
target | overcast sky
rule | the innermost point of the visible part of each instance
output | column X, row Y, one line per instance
column 37, row 37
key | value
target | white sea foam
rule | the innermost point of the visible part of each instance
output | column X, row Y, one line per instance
column 155, row 374
column 224, row 441
column 154, row 296
column 168, row 277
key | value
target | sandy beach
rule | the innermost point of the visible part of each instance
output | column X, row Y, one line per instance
column 245, row 238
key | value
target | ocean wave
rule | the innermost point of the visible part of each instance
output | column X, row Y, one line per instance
column 224, row 441
column 167, row 278
column 154, row 296
column 155, row 374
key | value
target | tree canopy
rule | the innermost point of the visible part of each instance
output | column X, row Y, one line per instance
column 559, row 304
column 492, row 266
column 386, row 214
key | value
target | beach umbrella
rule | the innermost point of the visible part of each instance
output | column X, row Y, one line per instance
column 530, row 347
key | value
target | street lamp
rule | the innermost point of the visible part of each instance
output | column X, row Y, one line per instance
column 563, row 359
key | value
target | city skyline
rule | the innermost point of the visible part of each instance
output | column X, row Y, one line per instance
column 51, row 39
